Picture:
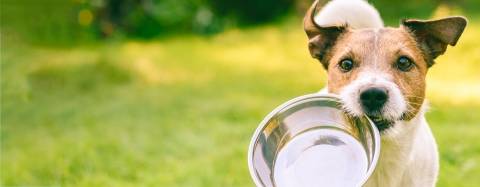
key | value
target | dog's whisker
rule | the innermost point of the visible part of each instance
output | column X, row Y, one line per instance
column 415, row 104
column 412, row 96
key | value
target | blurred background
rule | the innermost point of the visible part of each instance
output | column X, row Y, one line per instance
column 169, row 92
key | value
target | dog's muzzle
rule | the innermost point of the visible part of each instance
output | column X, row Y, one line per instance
column 372, row 101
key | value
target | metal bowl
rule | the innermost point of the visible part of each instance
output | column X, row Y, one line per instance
column 310, row 141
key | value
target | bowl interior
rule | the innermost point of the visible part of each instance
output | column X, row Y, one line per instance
column 309, row 140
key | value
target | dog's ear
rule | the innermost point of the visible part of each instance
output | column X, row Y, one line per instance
column 320, row 38
column 434, row 35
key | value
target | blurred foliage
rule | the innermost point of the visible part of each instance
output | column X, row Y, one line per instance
column 252, row 11
column 73, row 21
column 149, row 18
column 61, row 21
column 48, row 21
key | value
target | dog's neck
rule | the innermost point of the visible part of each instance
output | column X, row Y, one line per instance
column 398, row 150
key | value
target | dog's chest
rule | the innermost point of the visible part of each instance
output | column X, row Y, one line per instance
column 409, row 159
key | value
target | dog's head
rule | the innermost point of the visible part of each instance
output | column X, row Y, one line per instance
column 381, row 72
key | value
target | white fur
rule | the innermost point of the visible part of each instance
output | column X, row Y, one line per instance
column 350, row 94
column 356, row 13
column 409, row 156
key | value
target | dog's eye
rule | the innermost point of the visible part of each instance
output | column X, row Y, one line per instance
column 346, row 65
column 404, row 64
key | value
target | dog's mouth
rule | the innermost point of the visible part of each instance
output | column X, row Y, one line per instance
column 381, row 123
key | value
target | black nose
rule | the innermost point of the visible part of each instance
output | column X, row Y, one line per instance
column 373, row 99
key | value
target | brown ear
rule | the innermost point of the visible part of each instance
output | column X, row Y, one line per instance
column 320, row 38
column 434, row 35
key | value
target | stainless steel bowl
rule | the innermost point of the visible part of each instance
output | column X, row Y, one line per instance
column 310, row 141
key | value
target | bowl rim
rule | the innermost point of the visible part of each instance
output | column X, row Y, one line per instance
column 262, row 125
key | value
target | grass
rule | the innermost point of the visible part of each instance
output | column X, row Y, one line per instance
column 180, row 111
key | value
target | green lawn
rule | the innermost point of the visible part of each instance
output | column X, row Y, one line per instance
column 180, row 111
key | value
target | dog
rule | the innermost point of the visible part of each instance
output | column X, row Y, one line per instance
column 380, row 72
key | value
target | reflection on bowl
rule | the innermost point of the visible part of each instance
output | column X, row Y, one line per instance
column 310, row 141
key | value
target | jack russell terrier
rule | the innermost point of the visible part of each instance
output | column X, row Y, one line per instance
column 380, row 72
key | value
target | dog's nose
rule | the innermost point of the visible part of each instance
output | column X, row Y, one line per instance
column 373, row 99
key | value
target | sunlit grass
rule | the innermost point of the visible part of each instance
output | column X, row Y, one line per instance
column 180, row 111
